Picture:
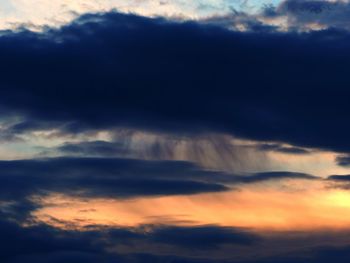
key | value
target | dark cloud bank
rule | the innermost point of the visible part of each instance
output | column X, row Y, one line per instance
column 46, row 244
column 109, row 70
column 116, row 178
column 93, row 177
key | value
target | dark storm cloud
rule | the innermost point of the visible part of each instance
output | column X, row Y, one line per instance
column 98, row 177
column 202, row 237
column 104, row 177
column 46, row 244
column 20, row 180
column 113, row 177
column 114, row 70
column 319, row 254
column 122, row 70
column 42, row 242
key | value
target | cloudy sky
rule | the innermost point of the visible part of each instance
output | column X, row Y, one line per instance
column 205, row 131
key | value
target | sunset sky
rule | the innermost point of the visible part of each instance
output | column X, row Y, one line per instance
column 173, row 131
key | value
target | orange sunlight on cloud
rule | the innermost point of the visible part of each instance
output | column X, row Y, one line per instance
column 287, row 205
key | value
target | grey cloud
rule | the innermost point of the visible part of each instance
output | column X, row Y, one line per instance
column 308, row 14
column 343, row 160
column 273, row 147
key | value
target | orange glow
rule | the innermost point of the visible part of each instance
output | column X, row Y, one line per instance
column 304, row 205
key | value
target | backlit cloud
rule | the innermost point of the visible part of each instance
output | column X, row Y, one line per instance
column 172, row 131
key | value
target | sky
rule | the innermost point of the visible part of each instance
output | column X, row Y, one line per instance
column 173, row 131
column 58, row 12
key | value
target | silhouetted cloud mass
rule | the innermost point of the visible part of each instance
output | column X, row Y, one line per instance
column 109, row 70
column 281, row 93
column 105, row 177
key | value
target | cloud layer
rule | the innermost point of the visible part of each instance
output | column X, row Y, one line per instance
column 116, row 70
column 282, row 89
